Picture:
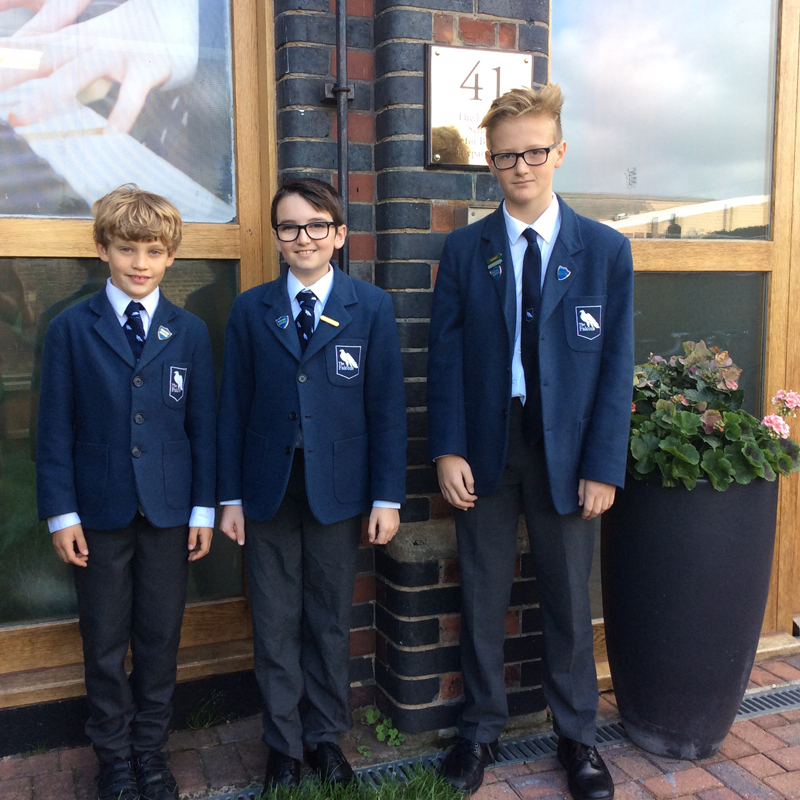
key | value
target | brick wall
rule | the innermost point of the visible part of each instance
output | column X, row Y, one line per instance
column 399, row 216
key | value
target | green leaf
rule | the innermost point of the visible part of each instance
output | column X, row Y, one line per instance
column 719, row 469
column 752, row 452
column 681, row 450
column 665, row 461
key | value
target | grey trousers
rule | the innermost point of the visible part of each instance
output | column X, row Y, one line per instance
column 300, row 576
column 562, row 551
column 133, row 591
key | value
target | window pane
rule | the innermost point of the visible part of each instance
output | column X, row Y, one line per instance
column 36, row 585
column 153, row 106
column 668, row 114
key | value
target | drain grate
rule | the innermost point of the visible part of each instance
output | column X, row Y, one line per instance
column 543, row 745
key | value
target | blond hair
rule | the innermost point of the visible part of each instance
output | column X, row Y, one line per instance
column 134, row 215
column 544, row 102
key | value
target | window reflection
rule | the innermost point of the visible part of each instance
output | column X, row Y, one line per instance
column 36, row 585
column 668, row 114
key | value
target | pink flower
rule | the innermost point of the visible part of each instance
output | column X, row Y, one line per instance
column 781, row 395
column 633, row 408
column 776, row 426
column 792, row 400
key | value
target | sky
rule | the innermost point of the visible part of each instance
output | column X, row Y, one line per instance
column 682, row 91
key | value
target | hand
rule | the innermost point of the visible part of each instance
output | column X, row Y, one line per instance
column 199, row 542
column 232, row 523
column 383, row 525
column 595, row 497
column 74, row 57
column 71, row 546
column 456, row 481
column 49, row 15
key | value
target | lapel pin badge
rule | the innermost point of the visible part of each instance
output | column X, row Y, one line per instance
column 330, row 321
column 164, row 333
column 563, row 273
column 494, row 265
column 282, row 322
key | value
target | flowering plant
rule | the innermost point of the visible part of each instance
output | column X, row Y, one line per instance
column 687, row 423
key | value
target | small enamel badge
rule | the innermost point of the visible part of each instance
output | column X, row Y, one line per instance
column 589, row 320
column 530, row 315
column 494, row 265
column 177, row 383
column 164, row 333
column 282, row 322
column 563, row 273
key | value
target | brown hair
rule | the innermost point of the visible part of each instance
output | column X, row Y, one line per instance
column 136, row 216
column 545, row 102
column 318, row 194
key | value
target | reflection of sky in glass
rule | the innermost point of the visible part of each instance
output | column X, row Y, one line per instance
column 681, row 91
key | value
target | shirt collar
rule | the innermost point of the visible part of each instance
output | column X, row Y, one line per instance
column 322, row 288
column 119, row 300
column 545, row 226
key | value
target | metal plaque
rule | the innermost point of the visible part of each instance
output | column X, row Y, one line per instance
column 461, row 84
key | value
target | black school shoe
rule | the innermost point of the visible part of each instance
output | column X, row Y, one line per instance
column 464, row 765
column 117, row 781
column 587, row 775
column 155, row 780
column 329, row 763
column 282, row 770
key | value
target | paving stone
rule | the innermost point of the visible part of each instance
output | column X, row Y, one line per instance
column 757, row 737
column 54, row 786
column 787, row 757
column 191, row 740
column 792, row 715
column 85, row 786
column 733, row 747
column 667, row 765
column 741, row 781
column 533, row 787
column 761, row 766
column 787, row 784
column 188, row 771
column 770, row 721
column 222, row 766
column 80, row 758
column 760, row 677
column 636, row 767
column 677, row 784
column 253, row 754
column 788, row 733
column 784, row 671
column 606, row 710
column 20, row 767
column 631, row 791
column 531, row 768
column 250, row 728
column 723, row 793
column 495, row 791
column 16, row 789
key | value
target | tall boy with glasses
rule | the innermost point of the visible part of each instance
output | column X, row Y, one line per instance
column 529, row 389
column 312, row 433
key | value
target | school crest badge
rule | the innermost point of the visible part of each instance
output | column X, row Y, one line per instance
column 348, row 360
column 589, row 321
column 177, row 383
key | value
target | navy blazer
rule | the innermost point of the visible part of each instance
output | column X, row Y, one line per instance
column 347, row 389
column 585, row 353
column 114, row 434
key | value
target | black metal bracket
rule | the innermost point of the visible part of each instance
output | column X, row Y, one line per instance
column 330, row 90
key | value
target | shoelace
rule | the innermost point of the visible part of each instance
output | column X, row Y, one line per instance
column 334, row 753
column 152, row 769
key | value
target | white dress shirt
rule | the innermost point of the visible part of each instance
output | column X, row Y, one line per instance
column 201, row 516
column 322, row 290
column 547, row 228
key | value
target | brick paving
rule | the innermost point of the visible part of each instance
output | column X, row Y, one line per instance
column 759, row 760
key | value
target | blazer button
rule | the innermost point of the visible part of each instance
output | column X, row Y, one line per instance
column 293, row 415
column 138, row 418
column 136, row 452
column 138, row 381
column 287, row 450
column 302, row 378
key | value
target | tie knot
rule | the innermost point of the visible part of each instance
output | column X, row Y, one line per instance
column 306, row 298
column 530, row 235
column 133, row 309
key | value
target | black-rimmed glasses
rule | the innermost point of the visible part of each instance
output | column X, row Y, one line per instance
column 314, row 230
column 533, row 158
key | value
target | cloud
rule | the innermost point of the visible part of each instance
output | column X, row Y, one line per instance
column 682, row 91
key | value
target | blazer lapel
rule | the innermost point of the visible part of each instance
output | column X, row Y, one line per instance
column 495, row 242
column 108, row 327
column 342, row 294
column 159, row 334
column 567, row 245
column 279, row 309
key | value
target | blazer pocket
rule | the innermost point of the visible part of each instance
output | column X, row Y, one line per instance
column 91, row 476
column 351, row 469
column 175, row 383
column 345, row 360
column 584, row 322
column 177, row 458
column 255, row 450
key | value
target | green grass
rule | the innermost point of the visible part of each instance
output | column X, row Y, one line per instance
column 206, row 714
column 422, row 785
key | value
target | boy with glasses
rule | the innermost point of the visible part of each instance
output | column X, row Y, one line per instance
column 312, row 433
column 529, row 389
